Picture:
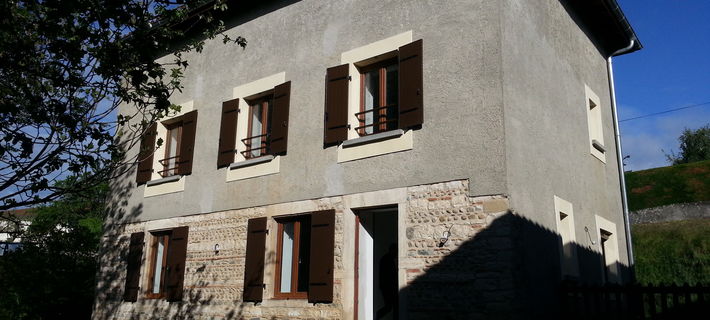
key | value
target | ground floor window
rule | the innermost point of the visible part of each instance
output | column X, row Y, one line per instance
column 158, row 263
column 293, row 252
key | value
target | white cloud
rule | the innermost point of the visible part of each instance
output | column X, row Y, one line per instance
column 646, row 139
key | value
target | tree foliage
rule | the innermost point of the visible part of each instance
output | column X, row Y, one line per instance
column 65, row 66
column 694, row 146
column 52, row 276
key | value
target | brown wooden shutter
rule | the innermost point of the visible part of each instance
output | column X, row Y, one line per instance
column 187, row 142
column 228, row 133
column 279, row 119
column 177, row 252
column 145, row 154
column 411, row 86
column 336, row 104
column 254, row 261
column 320, row 286
column 133, row 268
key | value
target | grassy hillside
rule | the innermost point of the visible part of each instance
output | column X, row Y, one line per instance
column 667, row 185
column 672, row 252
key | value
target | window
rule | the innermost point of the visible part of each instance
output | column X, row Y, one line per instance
column 293, row 257
column 166, row 265
column 177, row 150
column 609, row 250
column 262, row 130
column 172, row 150
column 594, row 122
column 158, row 263
column 389, row 90
column 257, row 142
column 565, row 227
column 304, row 257
column 610, row 256
column 379, row 87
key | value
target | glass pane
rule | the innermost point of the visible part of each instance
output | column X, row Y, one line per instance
column 372, row 96
column 392, row 94
column 173, row 135
column 256, row 128
column 287, row 257
column 304, row 254
column 160, row 251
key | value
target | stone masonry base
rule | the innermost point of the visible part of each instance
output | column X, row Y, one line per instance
column 469, row 275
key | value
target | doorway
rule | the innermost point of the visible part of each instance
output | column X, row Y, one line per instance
column 377, row 264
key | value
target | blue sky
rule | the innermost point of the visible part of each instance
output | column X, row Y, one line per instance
column 672, row 70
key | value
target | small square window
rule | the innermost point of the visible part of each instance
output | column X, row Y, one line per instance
column 293, row 258
column 158, row 264
column 257, row 140
column 379, row 95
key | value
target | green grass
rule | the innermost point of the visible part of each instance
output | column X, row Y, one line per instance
column 672, row 252
column 682, row 183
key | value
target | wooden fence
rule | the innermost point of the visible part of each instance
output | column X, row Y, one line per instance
column 635, row 302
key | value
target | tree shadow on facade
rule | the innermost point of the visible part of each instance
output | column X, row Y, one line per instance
column 509, row 270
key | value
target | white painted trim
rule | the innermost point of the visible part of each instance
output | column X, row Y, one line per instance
column 401, row 143
column 566, row 229
column 257, row 170
column 612, row 250
column 595, row 123
column 165, row 188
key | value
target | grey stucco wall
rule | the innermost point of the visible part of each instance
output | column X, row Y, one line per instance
column 547, row 60
column 463, row 127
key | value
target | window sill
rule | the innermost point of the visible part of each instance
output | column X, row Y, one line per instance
column 376, row 145
column 163, row 186
column 251, row 168
column 373, row 138
column 172, row 178
column 251, row 162
column 599, row 146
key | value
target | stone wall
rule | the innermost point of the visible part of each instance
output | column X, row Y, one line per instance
column 214, row 280
column 671, row 212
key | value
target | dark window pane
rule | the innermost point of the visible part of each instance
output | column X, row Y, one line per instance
column 304, row 254
column 392, row 94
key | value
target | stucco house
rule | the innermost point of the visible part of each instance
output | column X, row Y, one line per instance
column 378, row 160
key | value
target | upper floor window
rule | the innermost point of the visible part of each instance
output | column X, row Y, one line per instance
column 390, row 93
column 174, row 155
column 265, row 131
column 595, row 125
column 257, row 142
column 172, row 149
column 379, row 85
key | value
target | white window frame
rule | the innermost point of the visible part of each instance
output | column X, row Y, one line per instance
column 595, row 124
column 569, row 264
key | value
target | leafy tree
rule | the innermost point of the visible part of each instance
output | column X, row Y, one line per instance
column 65, row 66
column 52, row 276
column 694, row 146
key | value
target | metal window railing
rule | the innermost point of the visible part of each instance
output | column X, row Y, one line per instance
column 382, row 118
column 169, row 167
column 263, row 147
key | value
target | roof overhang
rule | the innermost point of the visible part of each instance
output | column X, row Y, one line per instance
column 604, row 23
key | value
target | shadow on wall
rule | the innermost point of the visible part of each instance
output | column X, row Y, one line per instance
column 510, row 270
column 197, row 302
